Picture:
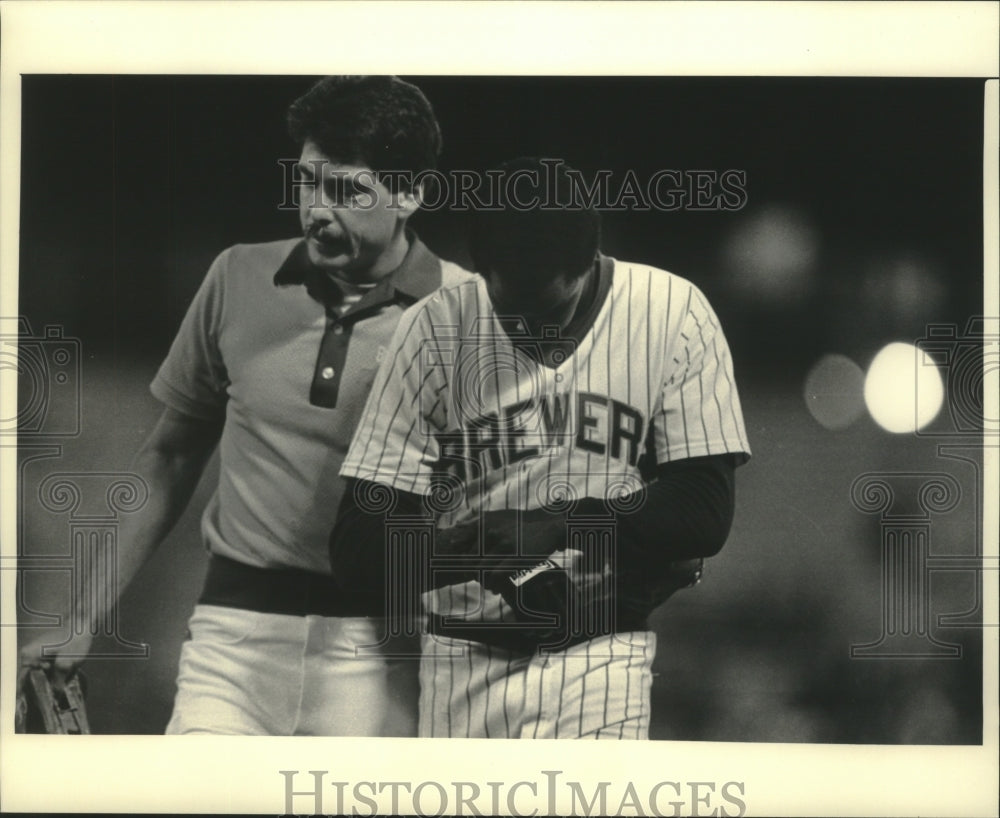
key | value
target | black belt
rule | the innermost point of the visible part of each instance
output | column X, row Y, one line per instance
column 291, row 591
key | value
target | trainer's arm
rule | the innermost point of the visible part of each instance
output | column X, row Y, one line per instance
column 170, row 461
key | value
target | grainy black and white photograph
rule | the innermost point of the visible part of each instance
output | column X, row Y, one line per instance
column 482, row 405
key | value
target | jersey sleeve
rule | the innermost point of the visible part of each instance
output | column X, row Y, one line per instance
column 698, row 411
column 395, row 441
column 192, row 378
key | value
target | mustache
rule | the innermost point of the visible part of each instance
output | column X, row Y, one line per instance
column 318, row 231
column 346, row 239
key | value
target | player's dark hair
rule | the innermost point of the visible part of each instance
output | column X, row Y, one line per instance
column 378, row 121
column 540, row 229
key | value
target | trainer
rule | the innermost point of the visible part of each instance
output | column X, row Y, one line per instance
column 273, row 363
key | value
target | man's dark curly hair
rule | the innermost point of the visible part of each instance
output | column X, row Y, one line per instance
column 554, row 235
column 379, row 121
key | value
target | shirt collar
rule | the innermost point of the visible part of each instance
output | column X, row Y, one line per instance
column 419, row 274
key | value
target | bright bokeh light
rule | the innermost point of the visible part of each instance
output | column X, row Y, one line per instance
column 834, row 392
column 903, row 388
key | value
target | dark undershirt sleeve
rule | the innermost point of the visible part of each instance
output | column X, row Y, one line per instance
column 358, row 548
column 358, row 541
column 686, row 514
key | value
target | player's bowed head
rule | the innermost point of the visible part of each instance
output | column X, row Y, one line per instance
column 537, row 244
column 538, row 250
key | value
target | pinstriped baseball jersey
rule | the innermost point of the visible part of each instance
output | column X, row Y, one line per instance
column 597, row 689
column 466, row 409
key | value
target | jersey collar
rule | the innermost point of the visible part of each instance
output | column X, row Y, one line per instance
column 418, row 274
column 566, row 341
column 586, row 311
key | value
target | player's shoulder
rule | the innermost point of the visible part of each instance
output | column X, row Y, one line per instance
column 441, row 308
column 453, row 274
column 461, row 291
column 661, row 289
column 657, row 279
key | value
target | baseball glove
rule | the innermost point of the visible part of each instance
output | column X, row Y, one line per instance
column 49, row 705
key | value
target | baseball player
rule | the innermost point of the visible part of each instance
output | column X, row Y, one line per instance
column 569, row 424
column 273, row 363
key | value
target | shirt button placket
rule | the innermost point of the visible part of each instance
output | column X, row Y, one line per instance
column 328, row 371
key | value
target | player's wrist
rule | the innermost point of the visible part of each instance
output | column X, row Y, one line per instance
column 460, row 539
column 542, row 531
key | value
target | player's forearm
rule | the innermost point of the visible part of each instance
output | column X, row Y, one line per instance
column 687, row 513
column 358, row 545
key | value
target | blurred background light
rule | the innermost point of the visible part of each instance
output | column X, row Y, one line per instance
column 907, row 287
column 772, row 255
column 903, row 388
column 834, row 392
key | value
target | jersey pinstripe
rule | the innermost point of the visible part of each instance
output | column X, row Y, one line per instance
column 463, row 414
column 598, row 689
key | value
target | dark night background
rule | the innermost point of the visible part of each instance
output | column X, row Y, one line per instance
column 863, row 224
